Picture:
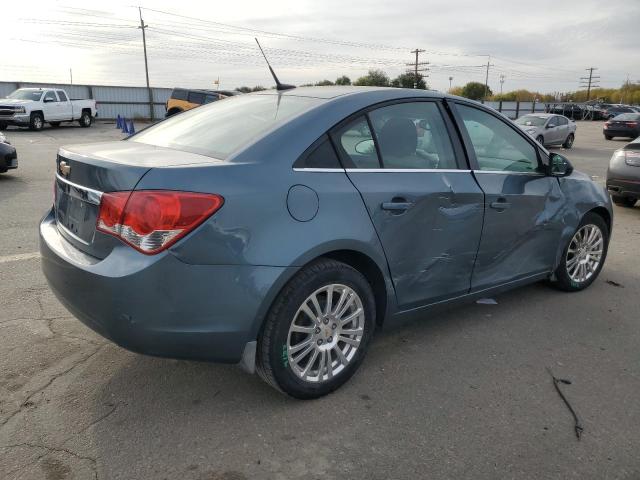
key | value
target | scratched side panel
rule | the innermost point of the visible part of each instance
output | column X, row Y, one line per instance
column 430, row 248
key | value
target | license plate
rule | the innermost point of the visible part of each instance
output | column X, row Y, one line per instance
column 75, row 215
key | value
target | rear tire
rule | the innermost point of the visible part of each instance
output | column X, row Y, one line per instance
column 540, row 140
column 577, row 269
column 628, row 202
column 85, row 120
column 3, row 126
column 568, row 143
column 299, row 321
column 36, row 122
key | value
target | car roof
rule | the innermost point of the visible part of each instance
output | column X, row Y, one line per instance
column 541, row 115
column 331, row 92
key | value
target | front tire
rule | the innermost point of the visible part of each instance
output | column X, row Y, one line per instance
column 628, row 202
column 568, row 143
column 317, row 331
column 36, row 122
column 584, row 256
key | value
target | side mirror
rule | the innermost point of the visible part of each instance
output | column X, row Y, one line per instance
column 551, row 125
column 559, row 166
column 48, row 100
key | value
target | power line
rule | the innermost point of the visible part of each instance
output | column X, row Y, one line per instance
column 416, row 66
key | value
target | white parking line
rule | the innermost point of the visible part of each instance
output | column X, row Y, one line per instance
column 18, row 257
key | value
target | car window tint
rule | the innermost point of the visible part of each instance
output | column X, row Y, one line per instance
column 413, row 135
column 321, row 155
column 356, row 145
column 196, row 97
column 179, row 94
column 221, row 128
column 62, row 96
column 497, row 146
column 50, row 96
column 210, row 98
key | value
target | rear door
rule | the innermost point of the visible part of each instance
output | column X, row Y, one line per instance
column 421, row 196
column 65, row 108
column 522, row 222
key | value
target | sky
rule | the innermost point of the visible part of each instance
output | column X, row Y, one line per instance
column 543, row 45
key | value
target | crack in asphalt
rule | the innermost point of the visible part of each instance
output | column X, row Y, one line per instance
column 49, row 450
column 48, row 383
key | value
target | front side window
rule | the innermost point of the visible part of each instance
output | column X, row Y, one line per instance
column 562, row 120
column 220, row 128
column 196, row 97
column 497, row 146
column 62, row 96
column 356, row 145
column 413, row 136
column 50, row 97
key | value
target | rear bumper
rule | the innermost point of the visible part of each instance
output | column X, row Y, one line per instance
column 624, row 187
column 628, row 133
column 159, row 305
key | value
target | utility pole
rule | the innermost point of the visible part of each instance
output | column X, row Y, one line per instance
column 486, row 79
column 590, row 81
column 501, row 82
column 450, row 80
column 146, row 65
column 415, row 66
column 71, row 75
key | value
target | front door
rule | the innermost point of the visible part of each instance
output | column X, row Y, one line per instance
column 50, row 106
column 522, row 223
column 425, row 205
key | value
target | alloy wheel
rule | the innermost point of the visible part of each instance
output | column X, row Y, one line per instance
column 584, row 253
column 325, row 333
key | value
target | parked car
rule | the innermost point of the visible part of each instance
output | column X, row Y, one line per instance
column 623, row 125
column 549, row 129
column 570, row 110
column 623, row 175
column 33, row 107
column 8, row 155
column 615, row 110
column 183, row 99
column 280, row 229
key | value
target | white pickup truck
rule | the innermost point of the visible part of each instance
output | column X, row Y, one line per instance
column 32, row 107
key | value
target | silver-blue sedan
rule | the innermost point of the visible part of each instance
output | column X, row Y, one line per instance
column 278, row 230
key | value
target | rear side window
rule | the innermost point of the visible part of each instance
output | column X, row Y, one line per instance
column 179, row 94
column 320, row 155
column 413, row 136
column 196, row 97
column 356, row 146
column 497, row 146
column 61, row 96
column 220, row 128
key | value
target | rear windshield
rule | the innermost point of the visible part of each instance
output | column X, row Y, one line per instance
column 220, row 128
column 531, row 120
column 628, row 116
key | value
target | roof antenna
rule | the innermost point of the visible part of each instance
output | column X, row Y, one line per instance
column 279, row 86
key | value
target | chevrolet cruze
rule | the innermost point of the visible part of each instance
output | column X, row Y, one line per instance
column 278, row 230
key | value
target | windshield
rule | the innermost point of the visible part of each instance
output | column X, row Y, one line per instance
column 531, row 120
column 220, row 128
column 628, row 117
column 26, row 94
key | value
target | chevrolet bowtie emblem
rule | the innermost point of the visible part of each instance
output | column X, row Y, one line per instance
column 65, row 168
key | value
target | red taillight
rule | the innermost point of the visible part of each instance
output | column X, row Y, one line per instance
column 153, row 220
column 607, row 124
column 632, row 124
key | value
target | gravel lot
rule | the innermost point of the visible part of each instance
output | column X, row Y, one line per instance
column 462, row 394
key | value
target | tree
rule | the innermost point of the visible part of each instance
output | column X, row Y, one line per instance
column 343, row 80
column 375, row 78
column 258, row 88
column 324, row 83
column 475, row 91
column 456, row 91
column 406, row 80
column 243, row 89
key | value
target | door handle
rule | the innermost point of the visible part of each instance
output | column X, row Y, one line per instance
column 500, row 204
column 397, row 205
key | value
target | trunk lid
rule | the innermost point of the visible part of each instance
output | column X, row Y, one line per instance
column 84, row 172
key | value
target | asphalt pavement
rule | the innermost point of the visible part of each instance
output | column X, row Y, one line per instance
column 463, row 394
